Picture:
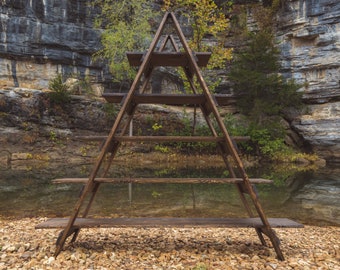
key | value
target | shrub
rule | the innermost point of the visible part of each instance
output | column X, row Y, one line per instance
column 59, row 94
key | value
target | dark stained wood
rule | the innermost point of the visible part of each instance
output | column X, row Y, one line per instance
column 170, row 59
column 162, row 180
column 169, row 99
column 163, row 138
column 169, row 222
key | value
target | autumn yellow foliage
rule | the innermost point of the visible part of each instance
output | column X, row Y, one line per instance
column 206, row 19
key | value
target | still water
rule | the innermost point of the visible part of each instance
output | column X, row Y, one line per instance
column 311, row 197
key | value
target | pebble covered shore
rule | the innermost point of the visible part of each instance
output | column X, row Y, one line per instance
column 23, row 247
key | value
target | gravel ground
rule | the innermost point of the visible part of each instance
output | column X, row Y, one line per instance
column 23, row 247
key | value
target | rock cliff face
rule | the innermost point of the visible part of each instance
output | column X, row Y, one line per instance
column 42, row 37
column 309, row 35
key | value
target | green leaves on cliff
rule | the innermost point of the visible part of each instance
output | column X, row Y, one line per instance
column 209, row 25
column 127, row 27
column 206, row 19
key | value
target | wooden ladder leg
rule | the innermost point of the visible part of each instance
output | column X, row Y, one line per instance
column 126, row 106
column 250, row 212
column 91, row 186
column 94, row 191
column 275, row 242
column 266, row 229
column 76, row 231
column 245, row 203
column 69, row 229
column 224, row 153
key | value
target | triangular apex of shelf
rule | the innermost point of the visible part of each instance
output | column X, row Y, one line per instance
column 170, row 99
column 170, row 59
column 169, row 222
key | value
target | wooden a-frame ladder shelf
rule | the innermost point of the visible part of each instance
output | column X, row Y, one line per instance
column 158, row 54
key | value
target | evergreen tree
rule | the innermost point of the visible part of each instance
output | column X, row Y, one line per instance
column 262, row 92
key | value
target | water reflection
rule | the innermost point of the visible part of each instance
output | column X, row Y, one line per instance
column 311, row 198
column 318, row 196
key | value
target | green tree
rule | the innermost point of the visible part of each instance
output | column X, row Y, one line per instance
column 127, row 27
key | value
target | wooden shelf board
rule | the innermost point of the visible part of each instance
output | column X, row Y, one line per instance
column 168, row 222
column 172, row 59
column 169, row 99
column 163, row 180
column 163, row 138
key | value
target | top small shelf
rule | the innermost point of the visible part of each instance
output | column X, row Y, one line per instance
column 170, row 59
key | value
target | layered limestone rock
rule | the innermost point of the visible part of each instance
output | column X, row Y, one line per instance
column 321, row 128
column 33, row 110
column 309, row 33
column 309, row 36
column 42, row 38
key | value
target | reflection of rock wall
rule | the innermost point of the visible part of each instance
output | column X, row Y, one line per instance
column 320, row 196
column 309, row 35
column 40, row 38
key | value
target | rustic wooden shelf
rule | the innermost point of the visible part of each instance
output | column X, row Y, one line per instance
column 190, row 62
column 168, row 222
column 162, row 180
